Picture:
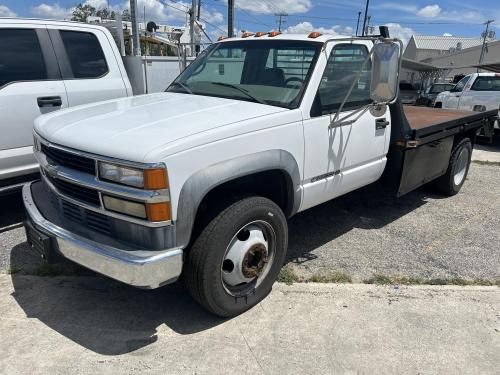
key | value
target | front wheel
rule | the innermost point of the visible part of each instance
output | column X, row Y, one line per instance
column 458, row 168
column 235, row 260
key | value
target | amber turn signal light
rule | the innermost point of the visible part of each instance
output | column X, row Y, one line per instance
column 155, row 179
column 158, row 211
column 314, row 34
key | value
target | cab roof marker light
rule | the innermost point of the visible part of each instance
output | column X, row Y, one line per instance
column 221, row 38
column 314, row 34
column 247, row 34
column 259, row 34
column 274, row 33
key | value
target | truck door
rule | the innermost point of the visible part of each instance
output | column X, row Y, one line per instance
column 452, row 101
column 484, row 94
column 88, row 65
column 30, row 85
column 344, row 158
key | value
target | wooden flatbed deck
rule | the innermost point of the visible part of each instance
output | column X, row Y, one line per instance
column 423, row 117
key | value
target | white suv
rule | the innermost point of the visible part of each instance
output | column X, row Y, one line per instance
column 46, row 66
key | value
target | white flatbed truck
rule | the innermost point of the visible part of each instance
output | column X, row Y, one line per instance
column 200, row 180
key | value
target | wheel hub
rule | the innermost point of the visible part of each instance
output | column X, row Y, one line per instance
column 254, row 261
column 246, row 258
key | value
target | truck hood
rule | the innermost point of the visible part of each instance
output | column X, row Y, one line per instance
column 128, row 128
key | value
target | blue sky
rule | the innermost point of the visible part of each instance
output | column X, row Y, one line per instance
column 433, row 17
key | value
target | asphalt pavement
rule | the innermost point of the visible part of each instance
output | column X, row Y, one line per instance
column 68, row 325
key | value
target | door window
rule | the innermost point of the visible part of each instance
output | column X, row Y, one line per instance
column 459, row 87
column 21, row 57
column 344, row 65
column 488, row 83
column 85, row 54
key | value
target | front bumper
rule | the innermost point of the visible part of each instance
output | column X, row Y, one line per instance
column 139, row 268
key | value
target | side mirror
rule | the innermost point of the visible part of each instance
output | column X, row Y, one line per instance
column 385, row 72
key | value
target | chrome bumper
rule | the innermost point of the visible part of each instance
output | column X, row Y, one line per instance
column 144, row 269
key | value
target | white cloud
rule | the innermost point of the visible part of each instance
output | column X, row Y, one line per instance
column 155, row 10
column 429, row 11
column 274, row 6
column 54, row 11
column 6, row 12
column 447, row 34
column 307, row 27
column 400, row 32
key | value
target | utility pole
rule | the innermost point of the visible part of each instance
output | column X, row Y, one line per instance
column 230, row 18
column 199, row 10
column 281, row 19
column 368, row 27
column 135, row 28
column 485, row 36
column 191, row 25
column 366, row 15
column 357, row 24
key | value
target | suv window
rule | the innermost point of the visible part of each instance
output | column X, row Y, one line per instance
column 85, row 54
column 21, row 58
column 489, row 83
column 343, row 66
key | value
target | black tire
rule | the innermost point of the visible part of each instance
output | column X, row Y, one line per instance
column 448, row 184
column 203, row 266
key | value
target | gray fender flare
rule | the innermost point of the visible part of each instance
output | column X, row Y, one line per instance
column 200, row 183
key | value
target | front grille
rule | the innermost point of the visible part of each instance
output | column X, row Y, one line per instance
column 69, row 160
column 93, row 220
column 77, row 192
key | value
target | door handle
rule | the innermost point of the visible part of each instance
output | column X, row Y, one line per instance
column 49, row 101
column 381, row 123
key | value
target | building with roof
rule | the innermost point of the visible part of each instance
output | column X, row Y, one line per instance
column 463, row 61
column 422, row 47
column 435, row 50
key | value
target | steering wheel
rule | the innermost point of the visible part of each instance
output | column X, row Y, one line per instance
column 294, row 79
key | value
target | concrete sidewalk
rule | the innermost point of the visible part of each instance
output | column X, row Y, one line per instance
column 93, row 325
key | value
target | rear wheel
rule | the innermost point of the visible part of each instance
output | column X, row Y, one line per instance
column 458, row 168
column 235, row 260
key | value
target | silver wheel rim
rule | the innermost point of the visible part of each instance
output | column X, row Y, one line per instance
column 461, row 166
column 248, row 258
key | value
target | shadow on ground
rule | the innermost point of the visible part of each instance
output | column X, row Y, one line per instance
column 111, row 318
column 11, row 211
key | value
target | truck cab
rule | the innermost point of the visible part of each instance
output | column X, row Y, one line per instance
column 46, row 66
column 201, row 179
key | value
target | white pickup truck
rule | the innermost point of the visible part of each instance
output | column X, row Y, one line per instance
column 47, row 66
column 201, row 179
column 474, row 92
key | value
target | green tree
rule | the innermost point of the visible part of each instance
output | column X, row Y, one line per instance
column 126, row 15
column 82, row 12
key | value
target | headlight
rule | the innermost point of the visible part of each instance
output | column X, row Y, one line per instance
column 124, row 206
column 149, row 179
column 36, row 144
column 151, row 211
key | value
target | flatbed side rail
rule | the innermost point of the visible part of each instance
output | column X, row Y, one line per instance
column 452, row 127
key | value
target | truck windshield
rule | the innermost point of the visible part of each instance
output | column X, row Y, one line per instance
column 272, row 72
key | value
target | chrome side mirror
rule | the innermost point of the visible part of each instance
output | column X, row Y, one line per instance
column 385, row 72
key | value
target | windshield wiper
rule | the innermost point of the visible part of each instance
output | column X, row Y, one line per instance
column 184, row 86
column 240, row 89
